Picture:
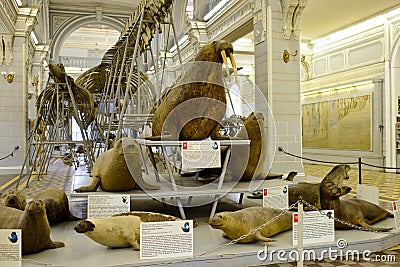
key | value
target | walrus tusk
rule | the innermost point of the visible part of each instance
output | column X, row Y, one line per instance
column 223, row 54
column 233, row 62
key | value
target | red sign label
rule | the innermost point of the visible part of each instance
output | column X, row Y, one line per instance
column 184, row 145
column 265, row 192
column 296, row 218
column 394, row 206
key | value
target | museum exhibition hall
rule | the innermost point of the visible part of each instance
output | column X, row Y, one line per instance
column 201, row 133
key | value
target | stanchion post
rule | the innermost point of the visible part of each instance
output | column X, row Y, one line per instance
column 300, row 234
column 359, row 170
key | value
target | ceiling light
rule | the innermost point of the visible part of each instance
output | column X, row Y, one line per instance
column 19, row 3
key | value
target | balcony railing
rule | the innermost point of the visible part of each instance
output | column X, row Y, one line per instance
column 79, row 62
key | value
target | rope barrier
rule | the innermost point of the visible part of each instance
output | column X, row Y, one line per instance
column 11, row 154
column 280, row 149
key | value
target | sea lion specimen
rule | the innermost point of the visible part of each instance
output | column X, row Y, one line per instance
column 57, row 206
column 33, row 224
column 120, row 230
column 354, row 211
column 195, row 106
column 111, row 172
column 238, row 223
column 309, row 192
column 13, row 198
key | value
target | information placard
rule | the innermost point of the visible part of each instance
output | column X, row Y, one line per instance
column 200, row 154
column 10, row 247
column 276, row 197
column 166, row 239
column 396, row 212
column 317, row 227
column 101, row 206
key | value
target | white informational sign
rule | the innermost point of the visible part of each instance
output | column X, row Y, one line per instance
column 159, row 240
column 368, row 193
column 396, row 211
column 10, row 247
column 200, row 154
column 276, row 197
column 317, row 227
column 101, row 206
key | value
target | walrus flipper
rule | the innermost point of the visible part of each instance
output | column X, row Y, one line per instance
column 90, row 188
column 262, row 238
column 55, row 244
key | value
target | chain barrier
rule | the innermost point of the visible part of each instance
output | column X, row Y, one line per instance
column 339, row 220
column 284, row 211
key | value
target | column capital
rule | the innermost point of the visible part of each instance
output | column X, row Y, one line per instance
column 292, row 11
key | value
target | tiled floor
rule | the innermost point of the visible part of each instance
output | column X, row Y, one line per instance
column 60, row 176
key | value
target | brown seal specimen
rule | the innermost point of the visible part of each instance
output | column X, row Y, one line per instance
column 238, row 223
column 13, row 198
column 354, row 211
column 120, row 230
column 33, row 224
column 253, row 168
column 195, row 106
column 309, row 192
column 245, row 170
column 57, row 206
column 111, row 172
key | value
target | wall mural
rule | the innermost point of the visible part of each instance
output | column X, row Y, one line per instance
column 340, row 124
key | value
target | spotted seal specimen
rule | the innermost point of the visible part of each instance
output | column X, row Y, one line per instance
column 57, row 206
column 111, row 172
column 354, row 211
column 120, row 230
column 238, row 223
column 34, row 225
column 13, row 198
column 195, row 106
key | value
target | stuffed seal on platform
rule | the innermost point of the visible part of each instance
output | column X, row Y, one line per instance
column 120, row 230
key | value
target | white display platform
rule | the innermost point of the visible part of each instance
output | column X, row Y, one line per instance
column 82, row 251
column 190, row 191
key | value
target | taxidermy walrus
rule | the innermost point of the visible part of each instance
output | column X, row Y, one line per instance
column 195, row 106
column 57, row 206
column 33, row 224
column 120, row 230
column 13, row 198
column 111, row 172
column 238, row 223
column 354, row 211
